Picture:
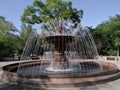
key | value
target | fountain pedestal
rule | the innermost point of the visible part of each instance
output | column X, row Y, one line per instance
column 60, row 62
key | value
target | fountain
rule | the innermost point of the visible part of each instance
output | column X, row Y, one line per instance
column 69, row 58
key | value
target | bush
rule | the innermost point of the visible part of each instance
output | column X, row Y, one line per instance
column 112, row 52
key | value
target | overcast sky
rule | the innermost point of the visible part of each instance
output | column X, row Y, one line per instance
column 95, row 11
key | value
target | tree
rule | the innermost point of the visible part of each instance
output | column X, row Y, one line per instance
column 8, row 38
column 98, row 34
column 114, row 29
column 45, row 12
column 107, row 36
column 6, row 26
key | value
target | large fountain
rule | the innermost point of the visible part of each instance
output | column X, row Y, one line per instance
column 63, row 56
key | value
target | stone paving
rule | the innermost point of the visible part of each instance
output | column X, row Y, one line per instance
column 114, row 85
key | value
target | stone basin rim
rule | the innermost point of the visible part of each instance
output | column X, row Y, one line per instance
column 12, row 66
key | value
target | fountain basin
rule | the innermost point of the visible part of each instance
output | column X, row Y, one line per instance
column 108, row 73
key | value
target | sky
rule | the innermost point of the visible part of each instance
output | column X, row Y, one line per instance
column 95, row 11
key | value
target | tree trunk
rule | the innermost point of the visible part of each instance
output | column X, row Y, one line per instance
column 118, row 53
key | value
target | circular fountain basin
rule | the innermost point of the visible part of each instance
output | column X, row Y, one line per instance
column 106, row 72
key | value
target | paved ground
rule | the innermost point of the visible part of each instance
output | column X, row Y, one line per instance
column 114, row 85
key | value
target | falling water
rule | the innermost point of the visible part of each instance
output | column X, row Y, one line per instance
column 76, row 44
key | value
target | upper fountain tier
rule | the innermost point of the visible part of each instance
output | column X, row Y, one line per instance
column 59, row 38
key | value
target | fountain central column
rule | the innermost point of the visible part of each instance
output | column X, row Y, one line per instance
column 60, row 61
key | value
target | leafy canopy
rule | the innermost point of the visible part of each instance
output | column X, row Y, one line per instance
column 48, row 11
column 8, row 39
column 107, row 35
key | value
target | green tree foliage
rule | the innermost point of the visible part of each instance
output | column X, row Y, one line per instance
column 8, row 39
column 48, row 11
column 107, row 36
column 114, row 27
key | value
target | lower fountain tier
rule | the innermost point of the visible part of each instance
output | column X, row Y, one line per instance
column 60, row 79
